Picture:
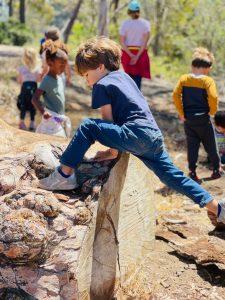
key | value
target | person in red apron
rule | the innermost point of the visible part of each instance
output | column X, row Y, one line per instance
column 134, row 36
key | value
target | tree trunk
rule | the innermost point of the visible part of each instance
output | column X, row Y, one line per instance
column 115, row 4
column 103, row 20
column 117, row 10
column 69, row 25
column 22, row 11
column 10, row 3
column 159, row 13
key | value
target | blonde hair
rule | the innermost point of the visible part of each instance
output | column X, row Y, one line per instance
column 202, row 58
column 96, row 51
column 31, row 59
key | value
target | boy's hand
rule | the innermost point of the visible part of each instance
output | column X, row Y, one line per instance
column 46, row 115
column 182, row 118
column 106, row 155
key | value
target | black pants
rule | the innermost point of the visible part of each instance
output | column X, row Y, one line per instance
column 137, row 79
column 200, row 129
column 24, row 99
column 32, row 114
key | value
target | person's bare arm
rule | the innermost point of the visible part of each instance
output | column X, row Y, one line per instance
column 125, row 48
column 106, row 112
column 68, row 73
column 39, row 77
column 146, row 37
column 38, row 105
column 19, row 79
column 44, row 70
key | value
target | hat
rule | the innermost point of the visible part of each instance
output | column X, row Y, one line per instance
column 134, row 6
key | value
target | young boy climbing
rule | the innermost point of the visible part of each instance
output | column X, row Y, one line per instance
column 195, row 98
column 127, row 124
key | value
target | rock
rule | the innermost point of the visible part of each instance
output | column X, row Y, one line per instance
column 62, row 197
column 194, row 243
column 165, row 284
column 23, row 236
column 192, row 267
column 78, row 244
column 82, row 216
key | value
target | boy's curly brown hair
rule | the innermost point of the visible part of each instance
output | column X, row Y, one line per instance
column 202, row 58
column 97, row 51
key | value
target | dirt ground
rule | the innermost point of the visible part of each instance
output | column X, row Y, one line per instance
column 188, row 259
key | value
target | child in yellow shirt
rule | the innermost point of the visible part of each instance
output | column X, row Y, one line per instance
column 195, row 98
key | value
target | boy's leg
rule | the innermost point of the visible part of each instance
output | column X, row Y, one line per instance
column 222, row 158
column 209, row 143
column 169, row 174
column 22, row 118
column 89, row 131
column 193, row 144
column 137, row 79
column 32, row 117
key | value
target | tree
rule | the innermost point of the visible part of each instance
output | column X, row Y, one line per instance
column 22, row 11
column 103, row 19
column 160, row 9
column 71, row 21
column 10, row 3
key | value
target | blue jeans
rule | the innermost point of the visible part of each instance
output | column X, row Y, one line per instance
column 142, row 141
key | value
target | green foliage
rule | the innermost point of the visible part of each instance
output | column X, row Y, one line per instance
column 177, row 27
column 14, row 33
column 162, row 66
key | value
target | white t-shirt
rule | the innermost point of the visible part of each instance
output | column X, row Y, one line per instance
column 27, row 75
column 133, row 31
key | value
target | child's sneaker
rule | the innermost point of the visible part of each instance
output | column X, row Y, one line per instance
column 216, row 174
column 32, row 126
column 213, row 219
column 22, row 126
column 194, row 176
column 55, row 181
column 221, row 217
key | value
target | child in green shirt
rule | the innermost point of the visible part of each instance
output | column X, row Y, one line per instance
column 52, row 90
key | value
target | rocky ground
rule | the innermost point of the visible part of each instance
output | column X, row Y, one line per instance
column 188, row 258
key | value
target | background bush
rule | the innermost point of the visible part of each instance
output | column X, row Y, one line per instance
column 14, row 33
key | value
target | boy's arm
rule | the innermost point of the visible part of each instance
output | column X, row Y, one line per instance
column 177, row 99
column 37, row 103
column 106, row 112
column 68, row 73
column 212, row 97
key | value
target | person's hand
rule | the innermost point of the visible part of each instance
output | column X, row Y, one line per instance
column 131, row 55
column 106, row 155
column 46, row 115
column 134, row 60
column 182, row 118
column 68, row 82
